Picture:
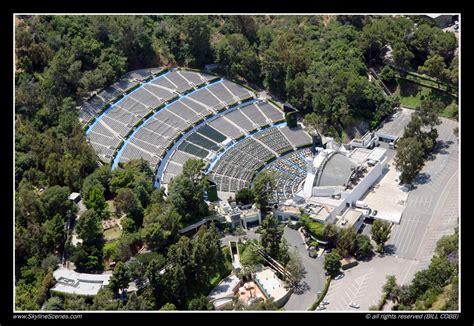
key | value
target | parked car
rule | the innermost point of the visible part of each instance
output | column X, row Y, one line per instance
column 325, row 302
column 354, row 305
column 339, row 276
column 320, row 307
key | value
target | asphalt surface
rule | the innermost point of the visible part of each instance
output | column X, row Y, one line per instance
column 433, row 207
column 432, row 211
column 303, row 297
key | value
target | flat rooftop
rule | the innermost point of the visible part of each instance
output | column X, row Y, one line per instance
column 349, row 218
column 360, row 154
column 395, row 125
column 72, row 282
column 289, row 209
column 225, row 288
column 271, row 285
column 387, row 197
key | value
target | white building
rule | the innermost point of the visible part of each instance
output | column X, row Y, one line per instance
column 71, row 282
column 271, row 286
column 336, row 179
column 224, row 292
column 235, row 216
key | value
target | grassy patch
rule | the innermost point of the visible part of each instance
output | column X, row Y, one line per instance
column 112, row 234
column 111, row 206
column 313, row 227
column 442, row 298
column 411, row 93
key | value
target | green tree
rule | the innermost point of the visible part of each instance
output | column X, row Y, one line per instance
column 200, row 303
column 53, row 303
column 76, row 304
column 120, row 278
column 154, row 236
column 380, row 233
column 56, row 201
column 188, row 198
column 270, row 236
column 51, row 261
column 128, row 225
column 332, row 263
column 390, row 286
column 198, row 33
column 54, row 235
column 364, row 247
column 89, row 228
column 402, row 56
column 136, row 303
column 168, row 307
column 127, row 202
column 435, row 67
column 263, row 187
column 250, row 258
column 409, row 158
column 295, row 267
column 346, row 244
column 245, row 196
column 331, row 234
column 96, row 201
column 104, row 300
column 387, row 74
column 238, row 56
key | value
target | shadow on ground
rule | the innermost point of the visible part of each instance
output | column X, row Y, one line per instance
column 441, row 146
column 301, row 288
column 366, row 258
column 422, row 178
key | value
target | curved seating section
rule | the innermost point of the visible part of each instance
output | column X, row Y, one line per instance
column 120, row 119
column 236, row 166
column 290, row 171
column 92, row 107
column 214, row 137
column 159, row 133
column 169, row 118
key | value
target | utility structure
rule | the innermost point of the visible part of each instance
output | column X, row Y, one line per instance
column 274, row 264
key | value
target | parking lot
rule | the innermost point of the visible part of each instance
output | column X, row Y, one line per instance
column 432, row 211
column 360, row 283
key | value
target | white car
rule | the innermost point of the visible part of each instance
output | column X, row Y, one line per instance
column 354, row 305
column 339, row 276
column 320, row 307
column 325, row 302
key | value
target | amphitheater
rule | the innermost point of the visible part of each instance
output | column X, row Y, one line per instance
column 167, row 116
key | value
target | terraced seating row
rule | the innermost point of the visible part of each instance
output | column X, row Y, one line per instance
column 270, row 111
column 241, row 161
column 211, row 133
column 126, row 113
column 171, row 121
column 297, row 136
column 274, row 139
column 290, row 171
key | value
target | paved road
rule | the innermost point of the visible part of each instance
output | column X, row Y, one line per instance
column 306, row 295
column 432, row 211
column 249, row 234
